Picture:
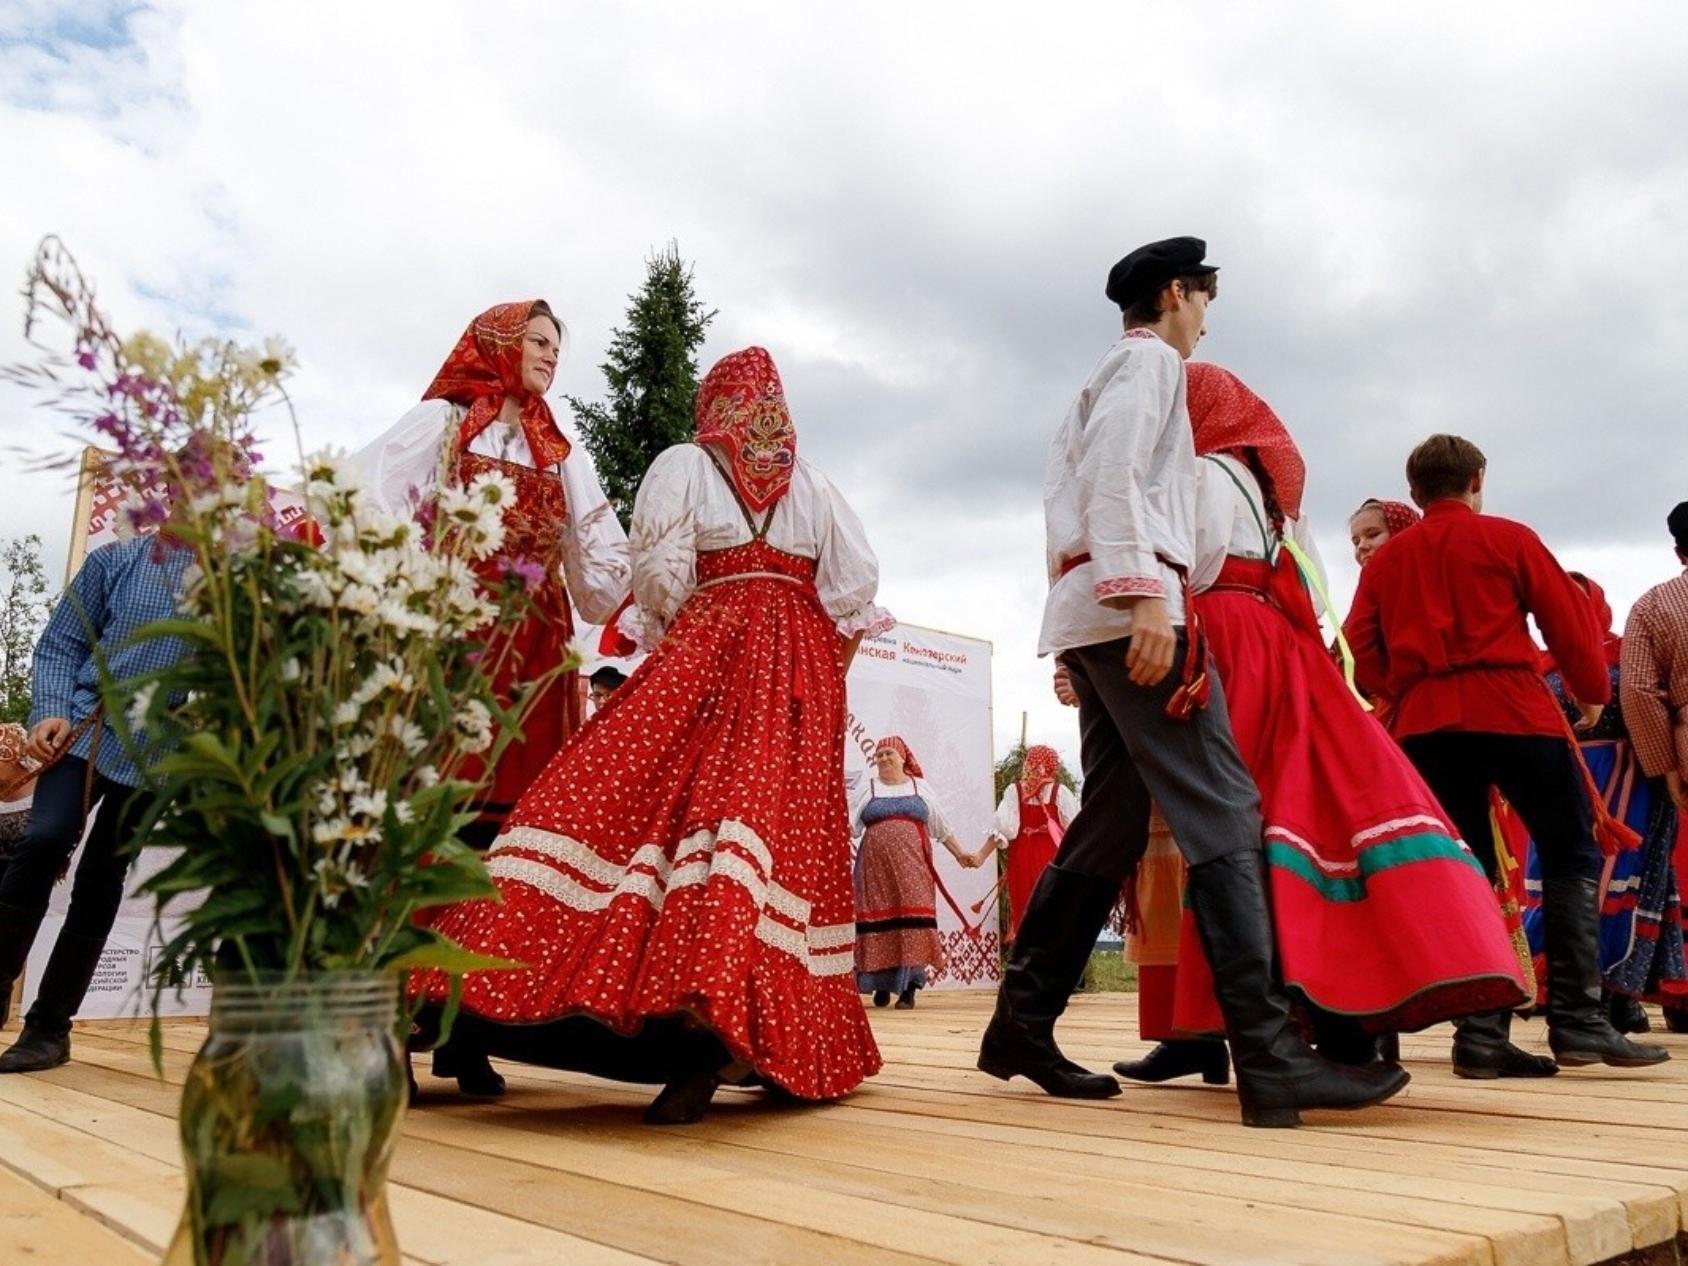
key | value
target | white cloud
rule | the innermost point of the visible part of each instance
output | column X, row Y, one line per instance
column 1443, row 217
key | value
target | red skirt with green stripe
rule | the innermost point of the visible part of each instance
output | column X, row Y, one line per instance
column 1382, row 912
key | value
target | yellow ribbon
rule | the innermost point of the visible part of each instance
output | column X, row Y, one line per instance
column 1310, row 573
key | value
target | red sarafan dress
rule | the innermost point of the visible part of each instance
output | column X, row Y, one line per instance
column 1031, row 818
column 1382, row 913
column 688, row 853
column 560, row 527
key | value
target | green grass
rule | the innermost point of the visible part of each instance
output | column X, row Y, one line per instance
column 1109, row 973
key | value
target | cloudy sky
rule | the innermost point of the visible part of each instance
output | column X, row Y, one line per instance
column 1443, row 217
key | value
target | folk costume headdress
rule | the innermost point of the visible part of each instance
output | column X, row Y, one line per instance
column 910, row 765
column 1398, row 516
column 1226, row 417
column 741, row 416
column 1041, row 766
column 485, row 368
column 1614, row 643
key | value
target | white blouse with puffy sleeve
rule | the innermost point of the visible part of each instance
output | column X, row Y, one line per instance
column 406, row 463
column 686, row 507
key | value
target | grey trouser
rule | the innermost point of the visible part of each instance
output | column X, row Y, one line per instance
column 1133, row 753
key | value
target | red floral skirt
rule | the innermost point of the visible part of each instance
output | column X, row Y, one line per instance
column 688, row 853
column 1381, row 912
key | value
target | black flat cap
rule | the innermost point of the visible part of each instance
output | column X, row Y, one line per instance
column 1150, row 267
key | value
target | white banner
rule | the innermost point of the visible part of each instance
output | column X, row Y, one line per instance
column 121, row 982
column 933, row 690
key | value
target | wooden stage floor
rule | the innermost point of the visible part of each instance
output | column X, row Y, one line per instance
column 930, row 1162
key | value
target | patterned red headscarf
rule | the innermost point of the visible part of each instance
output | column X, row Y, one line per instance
column 484, row 368
column 741, row 413
column 1226, row 417
column 1398, row 516
column 1040, row 768
column 910, row 766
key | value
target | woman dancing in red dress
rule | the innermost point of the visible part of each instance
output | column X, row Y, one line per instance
column 677, row 882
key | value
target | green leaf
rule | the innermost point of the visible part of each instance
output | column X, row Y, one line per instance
column 247, row 1184
column 447, row 957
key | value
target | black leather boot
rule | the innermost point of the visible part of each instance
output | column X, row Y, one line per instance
column 45, row 1040
column 1183, row 1057
column 1062, row 921
column 905, row 1000
column 1578, row 1030
column 1627, row 1014
column 1278, row 1074
column 464, row 1057
column 1483, row 1049
column 1676, row 1019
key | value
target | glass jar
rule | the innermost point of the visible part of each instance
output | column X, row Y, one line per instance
column 289, row 1116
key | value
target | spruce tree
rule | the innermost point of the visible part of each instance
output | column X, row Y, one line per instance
column 651, row 372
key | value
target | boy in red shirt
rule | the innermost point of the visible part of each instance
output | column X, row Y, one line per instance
column 1439, row 625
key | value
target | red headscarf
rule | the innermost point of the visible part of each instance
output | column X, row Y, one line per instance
column 484, row 368
column 1040, row 768
column 910, row 765
column 1603, row 617
column 741, row 413
column 1226, row 417
column 1398, row 516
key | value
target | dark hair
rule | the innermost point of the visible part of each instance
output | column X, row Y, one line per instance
column 1677, row 522
column 1148, row 308
column 1443, row 466
column 608, row 677
column 541, row 308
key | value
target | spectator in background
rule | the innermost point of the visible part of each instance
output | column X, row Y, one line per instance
column 604, row 683
column 1654, row 684
column 119, row 589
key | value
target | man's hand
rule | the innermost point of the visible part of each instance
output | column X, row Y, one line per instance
column 1154, row 642
column 1590, row 716
column 1064, row 692
column 1678, row 789
column 48, row 738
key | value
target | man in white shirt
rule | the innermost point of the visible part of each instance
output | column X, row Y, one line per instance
column 1119, row 502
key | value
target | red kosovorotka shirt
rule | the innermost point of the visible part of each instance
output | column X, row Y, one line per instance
column 1439, row 625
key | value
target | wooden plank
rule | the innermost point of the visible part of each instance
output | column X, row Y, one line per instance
column 438, row 1231
column 931, row 1161
column 36, row 1228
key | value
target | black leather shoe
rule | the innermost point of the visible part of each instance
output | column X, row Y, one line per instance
column 36, row 1050
column 1483, row 1051
column 45, row 1040
column 1182, row 1058
column 1676, row 1019
column 1627, row 1014
column 905, row 1002
column 1578, row 1031
column 881, row 997
column 1062, row 921
column 1340, row 1039
column 465, row 1058
column 1278, row 1074
column 684, row 1102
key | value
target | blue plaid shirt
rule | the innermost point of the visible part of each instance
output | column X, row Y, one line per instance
column 119, row 588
